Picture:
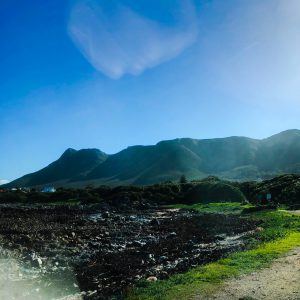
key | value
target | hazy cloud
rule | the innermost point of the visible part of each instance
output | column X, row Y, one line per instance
column 257, row 51
column 127, row 42
column 3, row 181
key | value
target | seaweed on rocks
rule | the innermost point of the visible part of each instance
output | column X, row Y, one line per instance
column 108, row 251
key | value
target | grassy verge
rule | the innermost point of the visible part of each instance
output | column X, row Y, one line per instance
column 221, row 207
column 71, row 202
column 281, row 233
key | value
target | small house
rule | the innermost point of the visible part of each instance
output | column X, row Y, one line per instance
column 48, row 189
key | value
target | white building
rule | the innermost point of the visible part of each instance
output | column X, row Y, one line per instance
column 48, row 189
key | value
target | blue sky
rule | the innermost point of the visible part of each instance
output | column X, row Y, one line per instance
column 112, row 73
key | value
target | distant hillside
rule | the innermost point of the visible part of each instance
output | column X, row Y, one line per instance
column 71, row 165
column 235, row 158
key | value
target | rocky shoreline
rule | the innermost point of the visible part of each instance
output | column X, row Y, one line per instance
column 101, row 253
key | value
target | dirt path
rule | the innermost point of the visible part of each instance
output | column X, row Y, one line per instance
column 279, row 282
column 296, row 212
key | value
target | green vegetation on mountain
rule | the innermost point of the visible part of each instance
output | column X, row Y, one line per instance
column 71, row 165
column 233, row 158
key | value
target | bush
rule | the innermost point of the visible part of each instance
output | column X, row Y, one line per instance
column 12, row 197
column 206, row 192
column 90, row 199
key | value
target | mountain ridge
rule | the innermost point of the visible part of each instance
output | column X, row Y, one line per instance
column 234, row 158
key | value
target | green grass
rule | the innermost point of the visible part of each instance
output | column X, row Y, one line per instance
column 70, row 202
column 220, row 207
column 281, row 233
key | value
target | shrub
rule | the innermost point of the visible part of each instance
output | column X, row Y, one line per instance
column 206, row 192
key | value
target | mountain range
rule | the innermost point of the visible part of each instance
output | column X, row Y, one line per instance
column 234, row 158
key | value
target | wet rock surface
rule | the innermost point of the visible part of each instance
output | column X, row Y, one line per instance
column 105, row 252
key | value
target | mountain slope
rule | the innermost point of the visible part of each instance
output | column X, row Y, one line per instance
column 280, row 151
column 238, row 158
column 70, row 165
column 147, row 164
